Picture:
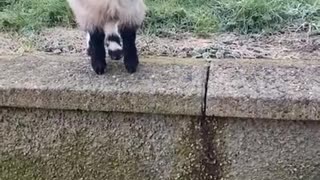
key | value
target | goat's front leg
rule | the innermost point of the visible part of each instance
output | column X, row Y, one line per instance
column 131, row 59
column 96, row 50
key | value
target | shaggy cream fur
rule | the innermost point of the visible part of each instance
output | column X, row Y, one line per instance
column 91, row 14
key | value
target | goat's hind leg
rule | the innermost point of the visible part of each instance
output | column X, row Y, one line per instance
column 96, row 50
column 113, row 40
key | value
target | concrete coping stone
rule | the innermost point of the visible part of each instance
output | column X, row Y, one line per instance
column 264, row 89
column 160, row 86
column 268, row 89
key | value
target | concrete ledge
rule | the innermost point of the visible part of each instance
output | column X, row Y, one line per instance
column 264, row 89
column 59, row 82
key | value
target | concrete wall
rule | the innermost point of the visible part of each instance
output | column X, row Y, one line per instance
column 268, row 149
column 55, row 144
column 230, row 120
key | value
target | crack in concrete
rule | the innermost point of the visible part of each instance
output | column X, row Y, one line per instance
column 204, row 102
column 209, row 161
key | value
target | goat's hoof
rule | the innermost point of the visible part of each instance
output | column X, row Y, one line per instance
column 131, row 67
column 99, row 67
column 115, row 55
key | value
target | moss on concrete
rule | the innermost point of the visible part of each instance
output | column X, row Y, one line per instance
column 53, row 144
column 260, row 149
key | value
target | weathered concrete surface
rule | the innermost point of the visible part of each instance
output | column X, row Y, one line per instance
column 266, row 89
column 59, row 82
column 268, row 149
column 68, row 145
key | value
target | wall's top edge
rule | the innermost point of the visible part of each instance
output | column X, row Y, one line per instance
column 161, row 86
column 267, row 89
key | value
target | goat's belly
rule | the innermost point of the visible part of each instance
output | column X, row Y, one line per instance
column 96, row 13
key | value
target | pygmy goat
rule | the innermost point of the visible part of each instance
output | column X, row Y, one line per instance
column 115, row 21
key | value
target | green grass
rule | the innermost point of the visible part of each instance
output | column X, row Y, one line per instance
column 26, row 15
column 266, row 15
column 174, row 16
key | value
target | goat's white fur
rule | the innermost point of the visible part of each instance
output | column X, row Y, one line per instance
column 88, row 39
column 113, row 46
column 109, row 28
column 91, row 14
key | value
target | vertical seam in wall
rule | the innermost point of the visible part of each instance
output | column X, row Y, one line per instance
column 209, row 164
column 204, row 101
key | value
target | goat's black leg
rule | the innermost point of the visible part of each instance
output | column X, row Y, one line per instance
column 131, row 59
column 97, row 51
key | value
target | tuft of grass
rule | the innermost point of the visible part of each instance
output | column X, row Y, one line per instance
column 175, row 16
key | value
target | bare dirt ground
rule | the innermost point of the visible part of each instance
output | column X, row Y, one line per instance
column 227, row 45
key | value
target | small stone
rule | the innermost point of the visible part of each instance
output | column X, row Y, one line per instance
column 198, row 56
column 213, row 51
column 200, row 51
column 20, row 50
column 220, row 54
column 206, row 55
column 57, row 51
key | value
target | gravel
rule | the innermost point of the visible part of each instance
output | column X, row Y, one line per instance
column 217, row 46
